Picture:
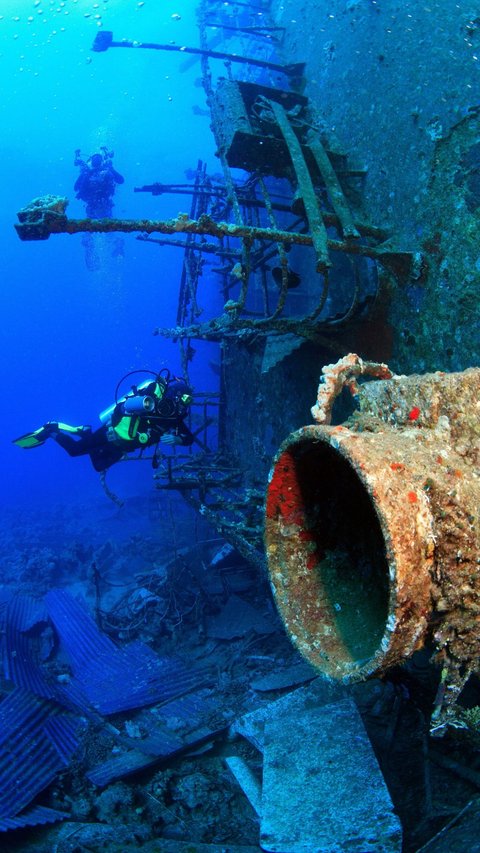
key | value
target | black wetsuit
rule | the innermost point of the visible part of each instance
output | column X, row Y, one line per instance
column 104, row 448
column 96, row 187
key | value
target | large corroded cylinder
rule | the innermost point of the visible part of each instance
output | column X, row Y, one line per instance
column 372, row 530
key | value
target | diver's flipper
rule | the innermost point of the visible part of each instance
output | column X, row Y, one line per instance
column 36, row 438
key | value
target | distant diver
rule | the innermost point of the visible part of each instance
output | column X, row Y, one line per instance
column 153, row 412
column 96, row 185
column 97, row 182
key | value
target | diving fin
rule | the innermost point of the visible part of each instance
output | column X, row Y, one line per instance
column 34, row 439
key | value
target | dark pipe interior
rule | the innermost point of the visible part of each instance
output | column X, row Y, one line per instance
column 350, row 568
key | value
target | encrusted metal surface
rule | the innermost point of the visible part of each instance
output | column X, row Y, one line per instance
column 372, row 531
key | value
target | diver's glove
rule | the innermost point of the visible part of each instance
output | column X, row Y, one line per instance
column 168, row 438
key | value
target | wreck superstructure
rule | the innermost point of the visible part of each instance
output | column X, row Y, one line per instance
column 294, row 254
column 281, row 267
column 280, row 264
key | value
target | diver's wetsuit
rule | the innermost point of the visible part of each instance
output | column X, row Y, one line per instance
column 96, row 187
column 104, row 452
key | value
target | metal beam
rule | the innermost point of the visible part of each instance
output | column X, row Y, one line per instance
column 47, row 216
column 104, row 40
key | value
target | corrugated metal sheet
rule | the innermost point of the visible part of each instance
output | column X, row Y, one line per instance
column 191, row 708
column 19, row 664
column 79, row 634
column 5, row 596
column 62, row 732
column 29, row 611
column 32, row 817
column 115, row 679
column 120, row 766
column 31, row 750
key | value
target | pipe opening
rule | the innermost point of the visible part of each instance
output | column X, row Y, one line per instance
column 330, row 569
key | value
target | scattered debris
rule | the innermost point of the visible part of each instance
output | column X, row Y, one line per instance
column 322, row 788
column 113, row 679
column 289, row 677
column 237, row 618
column 247, row 780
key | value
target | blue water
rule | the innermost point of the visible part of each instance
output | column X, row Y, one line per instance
column 69, row 334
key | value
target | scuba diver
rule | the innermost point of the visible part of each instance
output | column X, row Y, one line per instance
column 95, row 186
column 151, row 413
column 96, row 183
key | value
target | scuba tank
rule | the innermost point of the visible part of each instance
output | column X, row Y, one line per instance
column 132, row 404
column 169, row 400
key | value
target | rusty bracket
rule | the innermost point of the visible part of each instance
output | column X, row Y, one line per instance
column 305, row 185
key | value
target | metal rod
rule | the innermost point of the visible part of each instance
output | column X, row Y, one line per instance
column 104, row 39
column 45, row 222
column 209, row 248
column 282, row 296
column 328, row 217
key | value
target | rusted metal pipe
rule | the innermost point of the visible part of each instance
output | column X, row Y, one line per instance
column 373, row 534
column 104, row 40
column 46, row 215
